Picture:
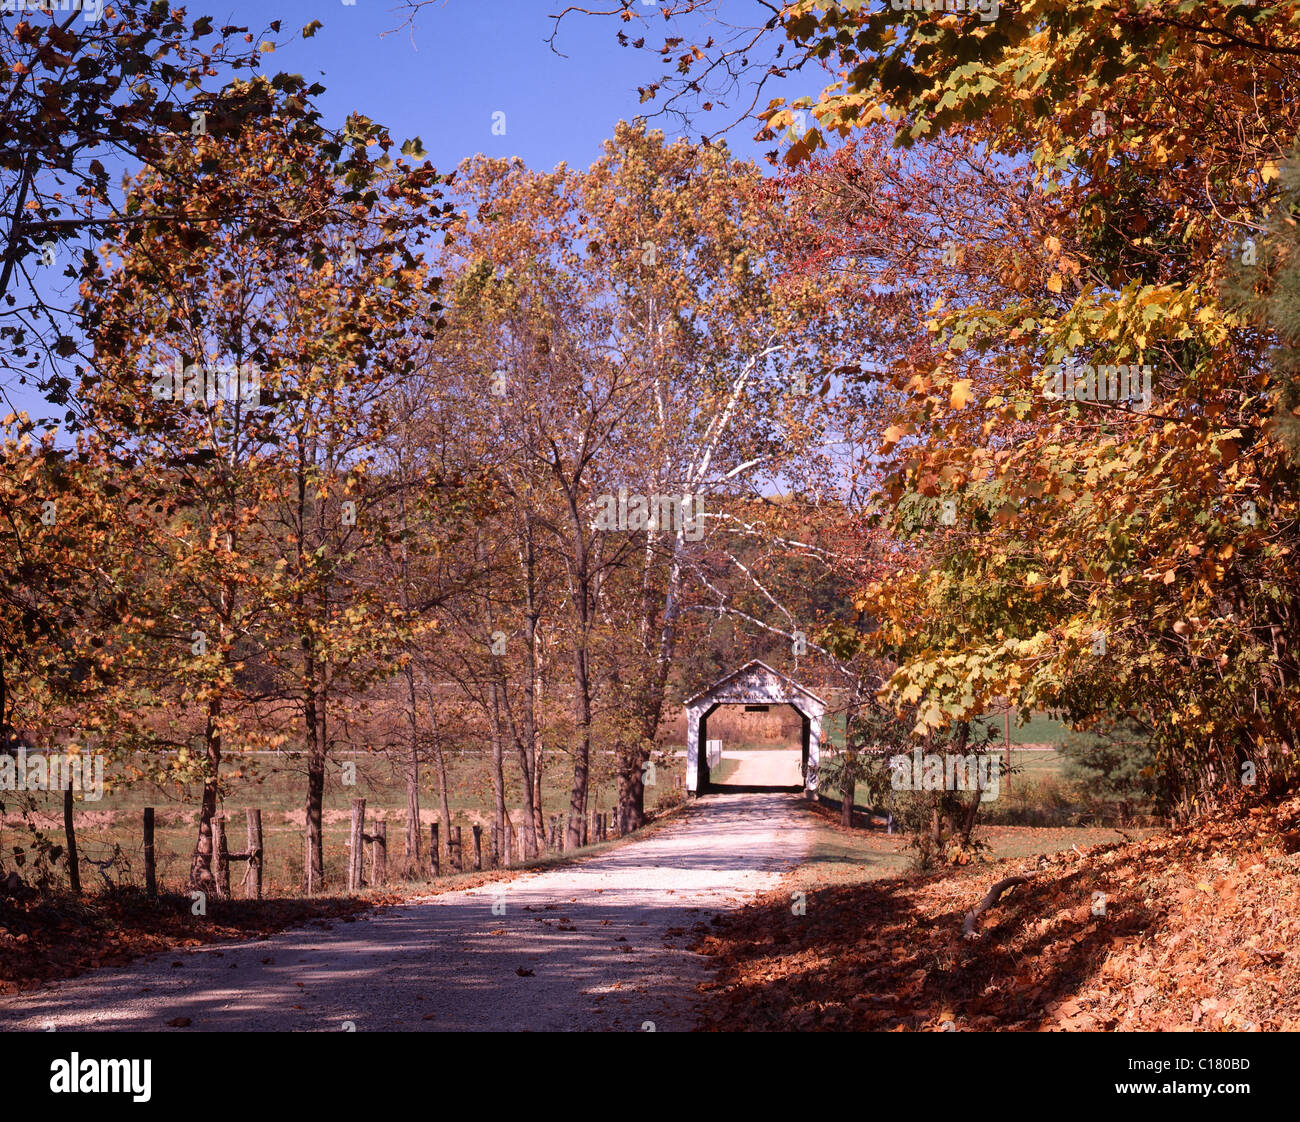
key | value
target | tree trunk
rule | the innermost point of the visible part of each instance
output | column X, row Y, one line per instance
column 411, row 848
column 498, row 773
column 70, row 838
column 531, row 804
column 631, row 785
column 411, row 844
column 317, row 743
column 530, row 747
column 972, row 812
column 539, row 810
column 848, row 787
column 652, row 713
column 440, row 765
column 201, row 876
column 582, row 752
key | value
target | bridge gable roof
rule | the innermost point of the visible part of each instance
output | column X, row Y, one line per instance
column 755, row 683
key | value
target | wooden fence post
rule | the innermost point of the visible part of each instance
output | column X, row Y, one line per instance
column 255, row 862
column 70, row 836
column 477, row 831
column 379, row 854
column 506, row 847
column 460, row 852
column 435, row 860
column 356, row 844
column 495, row 855
column 613, row 818
column 150, row 868
column 222, row 855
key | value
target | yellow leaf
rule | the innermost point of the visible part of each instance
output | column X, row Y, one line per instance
column 961, row 393
column 1054, row 283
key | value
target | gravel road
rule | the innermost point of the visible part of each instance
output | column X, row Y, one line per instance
column 764, row 767
column 597, row 945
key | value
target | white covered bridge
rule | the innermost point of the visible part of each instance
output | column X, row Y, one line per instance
column 755, row 683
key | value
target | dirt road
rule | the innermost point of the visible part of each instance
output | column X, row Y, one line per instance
column 764, row 767
column 599, row 945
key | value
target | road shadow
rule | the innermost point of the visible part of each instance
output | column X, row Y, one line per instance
column 750, row 789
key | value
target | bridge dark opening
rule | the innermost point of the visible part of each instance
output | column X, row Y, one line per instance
column 771, row 739
column 754, row 748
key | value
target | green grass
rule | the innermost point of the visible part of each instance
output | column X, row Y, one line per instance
column 1036, row 794
column 1036, row 765
column 1040, row 729
column 277, row 785
column 1029, row 841
column 724, row 771
column 841, row 857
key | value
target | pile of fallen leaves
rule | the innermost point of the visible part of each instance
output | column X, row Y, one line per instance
column 1196, row 929
column 60, row 937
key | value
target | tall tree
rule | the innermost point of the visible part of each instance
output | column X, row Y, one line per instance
column 233, row 358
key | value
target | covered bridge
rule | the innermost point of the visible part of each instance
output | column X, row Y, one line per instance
column 755, row 683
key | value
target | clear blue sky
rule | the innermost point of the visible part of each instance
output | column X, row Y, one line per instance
column 442, row 72
column 464, row 60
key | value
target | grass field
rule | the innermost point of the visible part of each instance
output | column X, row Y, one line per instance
column 724, row 771
column 1035, row 794
column 846, row 857
column 110, row 830
column 112, row 827
column 1040, row 729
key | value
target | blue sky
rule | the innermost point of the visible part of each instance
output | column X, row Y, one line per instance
column 444, row 71
column 464, row 60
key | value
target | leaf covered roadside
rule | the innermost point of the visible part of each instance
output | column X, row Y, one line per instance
column 43, row 940
column 1199, row 933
